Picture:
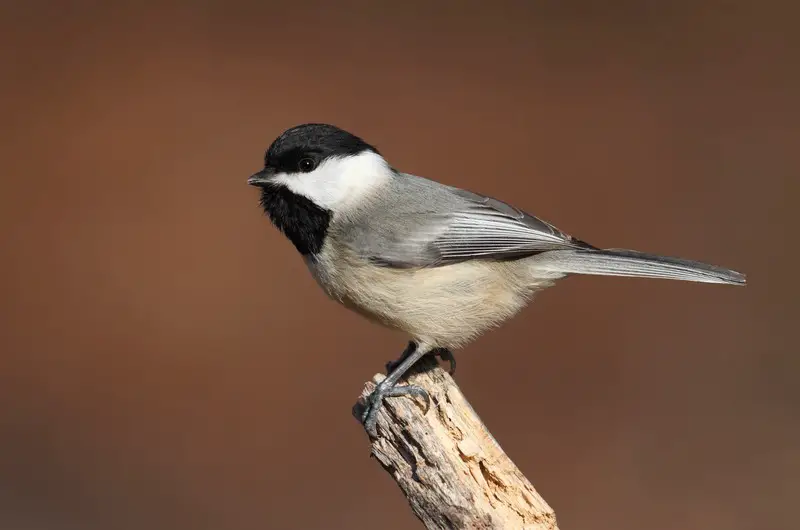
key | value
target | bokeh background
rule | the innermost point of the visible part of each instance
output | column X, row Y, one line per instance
column 166, row 361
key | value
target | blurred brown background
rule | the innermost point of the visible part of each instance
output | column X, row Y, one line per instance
column 168, row 363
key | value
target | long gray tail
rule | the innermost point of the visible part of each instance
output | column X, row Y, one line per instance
column 619, row 262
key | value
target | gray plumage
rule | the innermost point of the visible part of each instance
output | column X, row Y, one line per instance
column 416, row 222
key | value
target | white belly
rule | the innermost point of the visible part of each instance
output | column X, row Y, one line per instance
column 442, row 306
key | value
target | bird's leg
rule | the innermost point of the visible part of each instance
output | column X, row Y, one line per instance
column 388, row 388
column 391, row 365
column 443, row 353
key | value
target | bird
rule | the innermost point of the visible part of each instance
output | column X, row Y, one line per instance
column 439, row 263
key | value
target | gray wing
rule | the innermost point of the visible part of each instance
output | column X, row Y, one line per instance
column 467, row 226
column 489, row 228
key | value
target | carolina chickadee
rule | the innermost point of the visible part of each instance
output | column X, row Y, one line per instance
column 437, row 262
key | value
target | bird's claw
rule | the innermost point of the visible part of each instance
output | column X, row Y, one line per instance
column 447, row 356
column 374, row 402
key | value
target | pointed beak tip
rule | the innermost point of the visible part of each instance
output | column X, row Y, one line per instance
column 261, row 178
column 258, row 179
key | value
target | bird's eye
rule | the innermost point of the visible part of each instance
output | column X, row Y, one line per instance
column 306, row 165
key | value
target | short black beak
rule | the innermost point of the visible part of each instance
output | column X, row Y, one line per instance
column 262, row 177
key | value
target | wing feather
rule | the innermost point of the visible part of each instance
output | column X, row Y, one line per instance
column 478, row 227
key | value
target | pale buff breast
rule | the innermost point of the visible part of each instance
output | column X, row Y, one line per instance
column 444, row 306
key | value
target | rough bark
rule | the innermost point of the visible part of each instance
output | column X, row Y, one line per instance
column 446, row 462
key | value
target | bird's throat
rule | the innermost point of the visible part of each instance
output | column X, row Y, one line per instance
column 304, row 223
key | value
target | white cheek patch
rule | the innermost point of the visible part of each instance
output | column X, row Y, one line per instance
column 338, row 184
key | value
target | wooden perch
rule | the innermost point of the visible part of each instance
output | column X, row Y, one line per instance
column 447, row 464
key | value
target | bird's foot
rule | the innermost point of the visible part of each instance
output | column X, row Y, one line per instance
column 374, row 402
column 442, row 353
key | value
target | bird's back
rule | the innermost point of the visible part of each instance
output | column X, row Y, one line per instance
column 399, row 221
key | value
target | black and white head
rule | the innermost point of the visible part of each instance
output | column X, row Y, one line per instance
column 313, row 172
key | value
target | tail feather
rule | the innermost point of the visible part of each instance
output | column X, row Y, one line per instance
column 618, row 262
